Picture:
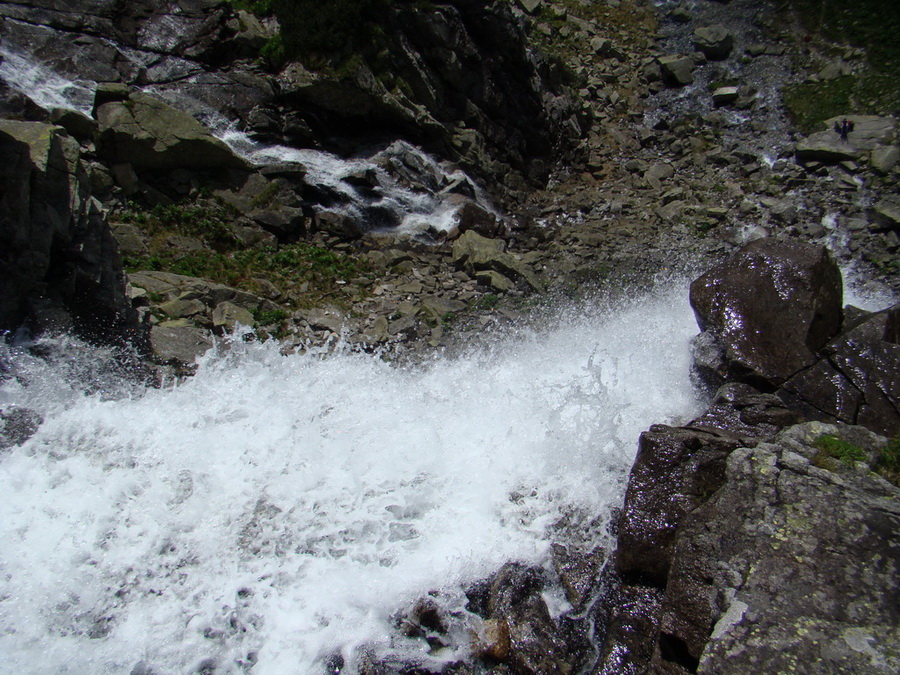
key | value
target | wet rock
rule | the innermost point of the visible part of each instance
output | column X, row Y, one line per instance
column 714, row 41
column 519, row 626
column 579, row 572
column 17, row 425
column 675, row 470
column 866, row 359
column 771, row 307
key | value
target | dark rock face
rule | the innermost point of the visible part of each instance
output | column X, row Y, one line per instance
column 766, row 574
column 742, row 541
column 453, row 65
column 769, row 308
column 678, row 468
column 61, row 264
column 771, row 317
column 858, row 380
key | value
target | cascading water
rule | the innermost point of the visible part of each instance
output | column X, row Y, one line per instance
column 400, row 189
column 42, row 85
column 275, row 510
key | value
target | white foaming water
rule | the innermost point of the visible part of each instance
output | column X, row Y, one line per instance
column 42, row 85
column 278, row 509
column 416, row 194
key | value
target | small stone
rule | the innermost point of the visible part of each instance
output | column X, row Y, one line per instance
column 724, row 96
column 677, row 69
column 227, row 315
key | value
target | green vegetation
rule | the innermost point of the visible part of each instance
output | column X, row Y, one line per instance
column 873, row 26
column 832, row 446
column 222, row 258
column 887, row 463
column 267, row 317
column 487, row 301
column 208, row 224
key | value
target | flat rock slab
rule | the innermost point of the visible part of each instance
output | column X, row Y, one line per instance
column 869, row 132
column 178, row 344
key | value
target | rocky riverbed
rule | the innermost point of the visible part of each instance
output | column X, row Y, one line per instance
column 406, row 206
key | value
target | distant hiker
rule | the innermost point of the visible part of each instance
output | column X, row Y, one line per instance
column 843, row 128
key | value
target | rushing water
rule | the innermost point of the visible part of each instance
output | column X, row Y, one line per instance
column 400, row 189
column 278, row 509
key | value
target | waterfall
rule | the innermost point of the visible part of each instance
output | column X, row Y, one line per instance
column 279, row 509
column 46, row 88
column 399, row 189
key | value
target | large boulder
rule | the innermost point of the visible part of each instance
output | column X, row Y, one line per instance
column 858, row 379
column 147, row 133
column 61, row 265
column 791, row 565
column 766, row 312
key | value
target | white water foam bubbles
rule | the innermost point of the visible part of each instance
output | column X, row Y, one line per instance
column 274, row 510
column 400, row 189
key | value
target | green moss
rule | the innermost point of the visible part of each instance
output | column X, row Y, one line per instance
column 811, row 103
column 273, row 52
column 832, row 446
column 887, row 463
column 487, row 301
column 267, row 317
